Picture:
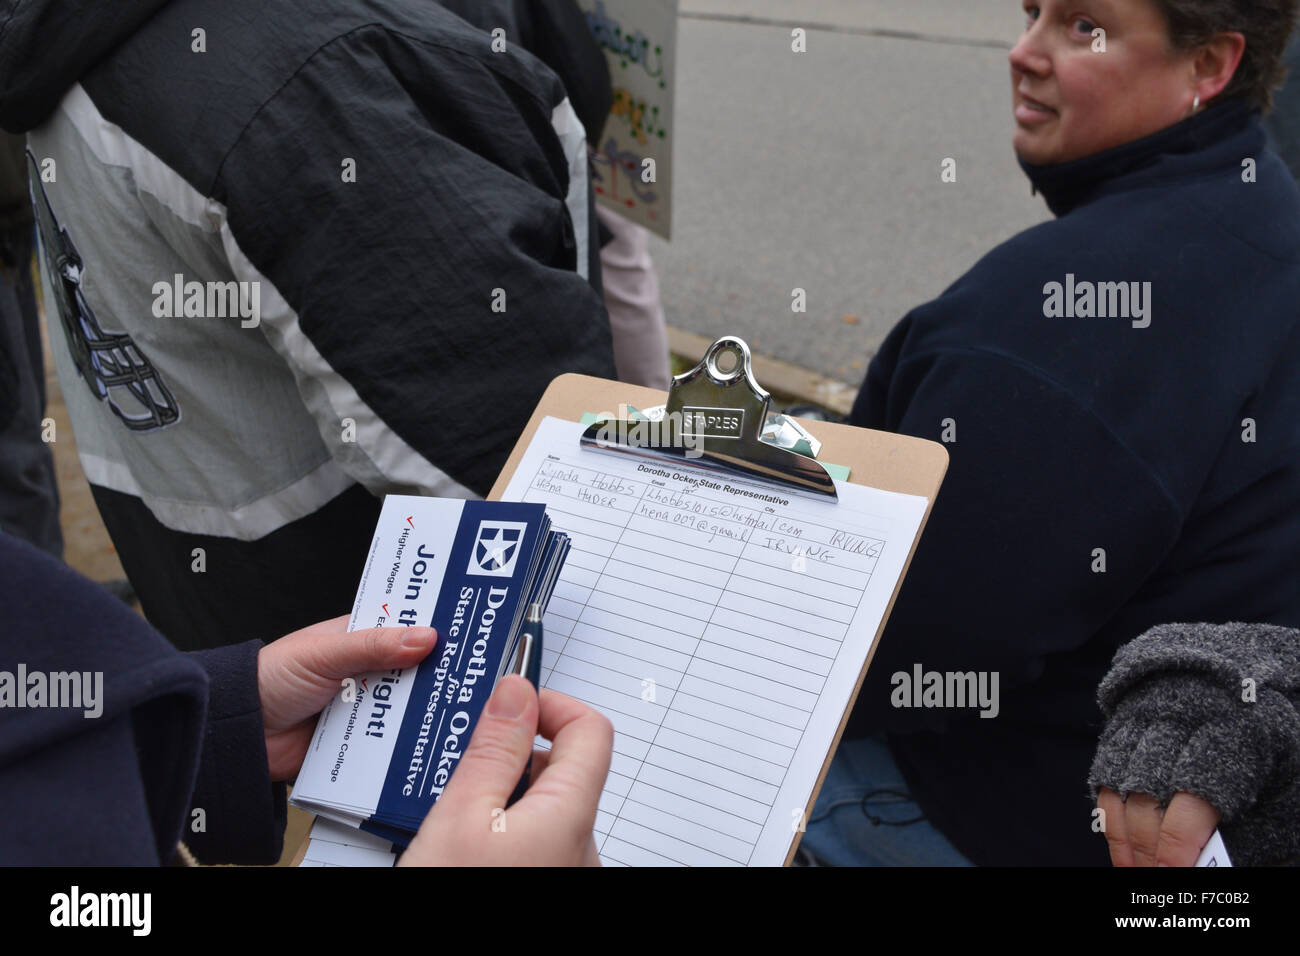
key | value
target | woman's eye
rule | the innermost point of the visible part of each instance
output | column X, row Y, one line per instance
column 1031, row 14
column 1083, row 26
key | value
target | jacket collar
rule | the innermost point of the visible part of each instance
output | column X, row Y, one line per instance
column 1226, row 132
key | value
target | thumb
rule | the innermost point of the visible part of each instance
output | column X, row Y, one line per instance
column 499, row 750
column 300, row 673
column 348, row 653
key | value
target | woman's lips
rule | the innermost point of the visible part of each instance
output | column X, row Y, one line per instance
column 1032, row 112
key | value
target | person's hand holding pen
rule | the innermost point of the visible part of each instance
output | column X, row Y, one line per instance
column 551, row 825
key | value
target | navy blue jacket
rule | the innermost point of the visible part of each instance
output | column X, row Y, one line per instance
column 1171, row 452
column 177, row 732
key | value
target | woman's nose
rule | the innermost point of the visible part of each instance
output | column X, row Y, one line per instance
column 1028, row 55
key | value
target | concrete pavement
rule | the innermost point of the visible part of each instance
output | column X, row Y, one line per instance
column 821, row 170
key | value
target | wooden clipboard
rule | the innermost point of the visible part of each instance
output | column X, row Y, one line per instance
column 898, row 463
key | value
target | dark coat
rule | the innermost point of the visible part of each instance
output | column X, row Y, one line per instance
column 175, row 732
column 1166, row 446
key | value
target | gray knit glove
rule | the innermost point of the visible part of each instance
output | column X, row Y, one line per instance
column 1177, row 720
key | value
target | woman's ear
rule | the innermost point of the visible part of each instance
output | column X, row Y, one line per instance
column 1216, row 63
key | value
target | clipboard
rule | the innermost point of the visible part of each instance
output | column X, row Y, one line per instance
column 897, row 463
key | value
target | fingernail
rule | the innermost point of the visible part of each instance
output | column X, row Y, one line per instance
column 419, row 637
column 510, row 698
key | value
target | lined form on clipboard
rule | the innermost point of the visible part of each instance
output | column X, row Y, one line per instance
column 721, row 624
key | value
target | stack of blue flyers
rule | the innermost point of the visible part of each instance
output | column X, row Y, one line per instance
column 386, row 746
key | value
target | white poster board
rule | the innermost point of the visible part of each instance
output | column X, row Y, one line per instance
column 639, row 38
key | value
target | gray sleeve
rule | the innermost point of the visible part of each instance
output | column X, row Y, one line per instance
column 1213, row 710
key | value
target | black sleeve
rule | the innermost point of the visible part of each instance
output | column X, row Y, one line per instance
column 566, row 44
column 105, row 781
column 243, row 813
column 556, row 32
column 419, row 263
column 1213, row 711
column 78, row 802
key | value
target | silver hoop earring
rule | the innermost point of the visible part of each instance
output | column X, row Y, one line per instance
column 1196, row 103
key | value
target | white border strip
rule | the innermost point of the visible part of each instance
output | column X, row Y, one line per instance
column 574, row 140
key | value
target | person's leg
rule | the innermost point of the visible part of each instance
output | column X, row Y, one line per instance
column 636, row 318
column 864, row 815
column 29, row 493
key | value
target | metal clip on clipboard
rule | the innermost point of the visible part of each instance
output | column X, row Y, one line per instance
column 718, row 420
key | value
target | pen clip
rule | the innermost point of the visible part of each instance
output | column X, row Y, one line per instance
column 523, row 655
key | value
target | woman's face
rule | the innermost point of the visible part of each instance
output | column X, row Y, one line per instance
column 1075, row 95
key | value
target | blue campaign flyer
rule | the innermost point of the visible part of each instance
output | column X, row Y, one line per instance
column 386, row 747
column 491, row 561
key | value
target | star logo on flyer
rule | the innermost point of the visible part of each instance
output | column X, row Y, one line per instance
column 497, row 548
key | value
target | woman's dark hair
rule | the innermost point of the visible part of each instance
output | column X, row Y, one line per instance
column 1266, row 25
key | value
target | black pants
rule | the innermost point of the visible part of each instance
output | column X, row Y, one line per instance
column 29, row 493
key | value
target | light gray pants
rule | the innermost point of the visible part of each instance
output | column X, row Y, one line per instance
column 636, row 318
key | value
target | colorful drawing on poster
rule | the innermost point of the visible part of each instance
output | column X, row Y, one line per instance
column 633, row 156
